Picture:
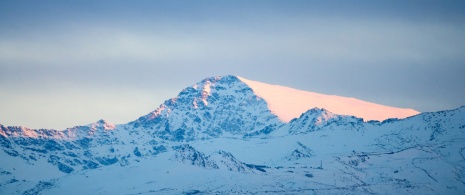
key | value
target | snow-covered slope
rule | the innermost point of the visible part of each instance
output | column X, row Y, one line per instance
column 316, row 119
column 288, row 103
column 220, row 137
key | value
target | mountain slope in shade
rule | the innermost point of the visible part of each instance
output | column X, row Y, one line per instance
column 214, row 107
column 324, row 153
column 288, row 103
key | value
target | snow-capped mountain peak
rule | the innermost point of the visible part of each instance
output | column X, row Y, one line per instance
column 103, row 124
column 215, row 106
column 315, row 119
column 234, row 105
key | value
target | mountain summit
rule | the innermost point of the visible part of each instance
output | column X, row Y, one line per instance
column 215, row 106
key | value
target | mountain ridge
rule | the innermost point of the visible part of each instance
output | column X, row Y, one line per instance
column 203, row 92
column 220, row 137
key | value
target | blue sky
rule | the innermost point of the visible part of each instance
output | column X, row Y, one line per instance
column 66, row 63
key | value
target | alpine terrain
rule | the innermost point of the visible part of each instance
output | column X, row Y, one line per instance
column 230, row 135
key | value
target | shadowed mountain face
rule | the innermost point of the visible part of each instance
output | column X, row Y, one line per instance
column 210, row 108
column 226, row 135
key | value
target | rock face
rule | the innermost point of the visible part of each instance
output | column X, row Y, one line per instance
column 189, row 155
column 220, row 137
column 214, row 107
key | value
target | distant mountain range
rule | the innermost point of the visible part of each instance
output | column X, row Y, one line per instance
column 233, row 135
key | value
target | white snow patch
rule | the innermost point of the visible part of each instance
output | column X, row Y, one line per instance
column 288, row 103
column 195, row 103
column 159, row 111
column 206, row 87
column 206, row 92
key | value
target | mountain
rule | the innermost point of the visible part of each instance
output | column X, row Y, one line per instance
column 232, row 105
column 227, row 135
column 216, row 106
column 316, row 119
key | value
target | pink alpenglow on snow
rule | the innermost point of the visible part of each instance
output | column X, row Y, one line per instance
column 288, row 103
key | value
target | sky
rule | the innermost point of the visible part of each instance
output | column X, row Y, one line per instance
column 68, row 63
